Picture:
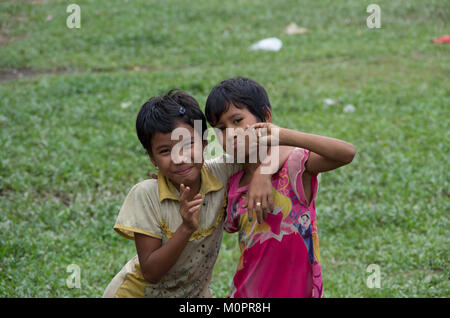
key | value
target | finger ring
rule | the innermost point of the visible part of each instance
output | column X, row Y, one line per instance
column 258, row 203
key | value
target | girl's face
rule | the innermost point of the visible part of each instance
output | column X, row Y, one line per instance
column 233, row 123
column 179, row 166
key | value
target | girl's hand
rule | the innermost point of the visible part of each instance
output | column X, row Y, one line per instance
column 259, row 197
column 190, row 208
column 267, row 133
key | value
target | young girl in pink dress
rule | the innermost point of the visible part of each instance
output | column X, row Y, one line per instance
column 280, row 254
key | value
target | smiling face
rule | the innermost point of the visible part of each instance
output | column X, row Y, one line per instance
column 232, row 123
column 179, row 166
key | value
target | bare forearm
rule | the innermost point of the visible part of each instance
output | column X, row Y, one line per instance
column 159, row 262
column 334, row 149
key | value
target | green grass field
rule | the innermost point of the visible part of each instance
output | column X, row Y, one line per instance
column 69, row 152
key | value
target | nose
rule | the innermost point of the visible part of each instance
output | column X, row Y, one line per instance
column 185, row 157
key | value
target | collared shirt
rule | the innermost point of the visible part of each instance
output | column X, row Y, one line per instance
column 152, row 208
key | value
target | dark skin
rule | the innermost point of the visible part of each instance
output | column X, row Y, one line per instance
column 156, row 259
column 325, row 153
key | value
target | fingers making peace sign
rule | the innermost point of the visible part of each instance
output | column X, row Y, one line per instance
column 190, row 205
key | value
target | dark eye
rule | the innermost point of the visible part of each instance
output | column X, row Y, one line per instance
column 164, row 151
column 236, row 121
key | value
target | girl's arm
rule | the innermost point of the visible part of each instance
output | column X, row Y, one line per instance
column 156, row 259
column 325, row 153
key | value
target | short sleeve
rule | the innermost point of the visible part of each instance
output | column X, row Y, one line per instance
column 140, row 212
column 296, row 168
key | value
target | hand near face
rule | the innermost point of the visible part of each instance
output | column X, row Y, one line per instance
column 267, row 133
column 190, row 208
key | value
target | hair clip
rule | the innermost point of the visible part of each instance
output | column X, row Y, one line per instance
column 181, row 110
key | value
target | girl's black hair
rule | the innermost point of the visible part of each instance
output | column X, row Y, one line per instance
column 241, row 92
column 161, row 113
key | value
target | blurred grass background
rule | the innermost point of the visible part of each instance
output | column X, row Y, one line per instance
column 69, row 153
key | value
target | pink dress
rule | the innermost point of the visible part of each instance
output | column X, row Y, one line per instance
column 280, row 257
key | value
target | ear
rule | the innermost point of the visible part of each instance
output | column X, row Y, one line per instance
column 268, row 115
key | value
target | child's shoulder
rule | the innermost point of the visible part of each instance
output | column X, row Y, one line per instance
column 296, row 160
column 297, row 154
column 291, row 157
column 145, row 189
column 147, row 184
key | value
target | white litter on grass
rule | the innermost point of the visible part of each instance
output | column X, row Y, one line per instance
column 329, row 101
column 349, row 108
column 125, row 104
column 269, row 44
column 293, row 28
